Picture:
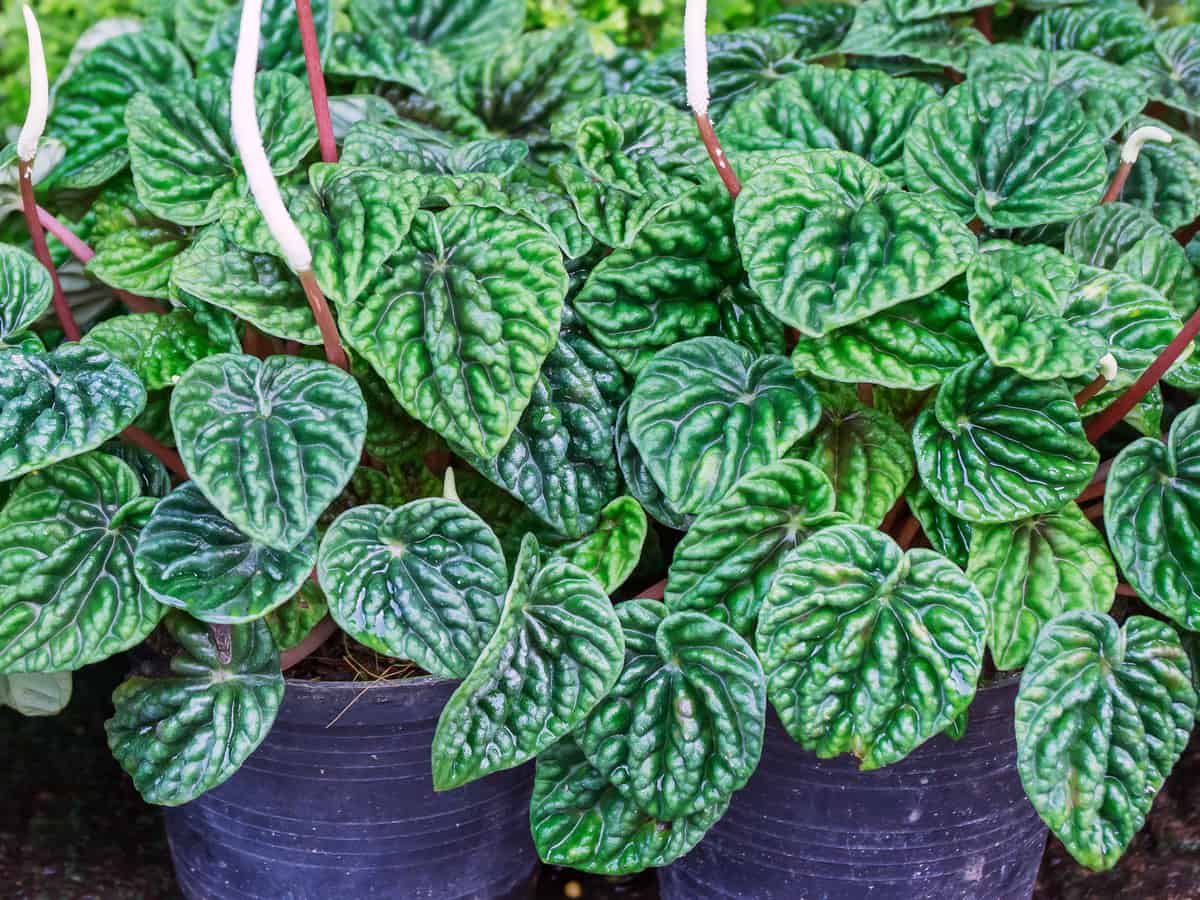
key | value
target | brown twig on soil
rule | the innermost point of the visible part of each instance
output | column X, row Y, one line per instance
column 908, row 532
column 656, row 591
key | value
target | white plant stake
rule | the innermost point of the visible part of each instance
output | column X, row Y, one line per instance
column 695, row 56
column 39, row 92
column 1129, row 155
column 265, row 188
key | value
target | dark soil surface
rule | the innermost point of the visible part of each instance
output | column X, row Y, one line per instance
column 72, row 826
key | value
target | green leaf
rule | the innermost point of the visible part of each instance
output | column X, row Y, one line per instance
column 914, row 344
column 867, row 457
column 158, row 348
column 1115, row 31
column 638, row 480
column 36, row 693
column 832, row 245
column 422, row 582
column 817, row 27
column 918, row 10
column 194, row 21
column 1032, row 570
column 1165, row 179
column 726, row 562
column 665, row 287
column 1102, row 715
column 139, row 260
column 682, row 728
column 68, row 595
column 270, row 443
column 279, row 37
column 555, row 654
column 706, row 411
column 877, row 32
column 152, row 475
column 61, row 404
column 580, row 820
column 1169, row 70
column 291, row 622
column 948, row 535
column 459, row 321
column 390, row 57
column 25, row 292
column 518, row 87
column 1025, row 158
column 611, row 552
column 191, row 557
column 257, row 287
column 869, row 649
column 185, row 165
column 1110, row 95
column 744, row 320
column 184, row 733
column 817, row 108
column 463, row 28
column 1152, row 517
column 996, row 447
column 89, row 107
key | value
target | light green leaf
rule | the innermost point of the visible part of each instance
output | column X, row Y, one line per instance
column 869, row 649
column 422, row 582
column 555, row 654
column 706, row 411
column 25, row 292
column 270, row 443
column 139, row 259
column 997, row 447
column 184, row 733
column 60, row 404
column 36, row 693
column 919, row 10
column 682, row 728
column 291, row 622
column 611, row 552
column 158, row 348
column 68, row 595
column 1032, row 570
column 390, row 57
column 726, row 562
column 1102, row 715
column 194, row 21
column 463, row 28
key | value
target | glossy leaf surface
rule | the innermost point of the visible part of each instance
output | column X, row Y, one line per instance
column 25, row 291
column 611, row 552
column 456, row 27
column 157, row 348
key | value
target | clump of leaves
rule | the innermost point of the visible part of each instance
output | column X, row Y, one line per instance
column 868, row 379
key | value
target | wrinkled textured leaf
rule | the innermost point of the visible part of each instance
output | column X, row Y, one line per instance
column 25, row 292
column 422, row 582
column 854, row 634
column 706, row 411
column 1025, row 158
column 682, row 728
column 555, row 654
column 1165, row 180
column 1115, row 31
column 726, row 562
column 817, row 27
column 60, row 404
column 997, row 447
column 68, row 595
column 948, row 535
column 139, row 259
column 279, row 37
column 183, row 734
column 291, row 622
column 1169, row 71
column 157, row 348
column 1032, row 570
column 638, row 480
column 191, row 557
column 877, row 32
column 611, row 552
column 194, row 21
column 456, row 27
column 270, row 443
column 388, row 56
column 459, row 321
column 1102, row 715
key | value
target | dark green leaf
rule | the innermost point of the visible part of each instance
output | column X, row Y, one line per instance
column 1165, row 180
column 25, row 292
column 466, row 28
column 1116, row 31
column 948, row 535
column 818, row 28
column 279, row 37
column 388, row 56
column 1169, row 71
column 291, row 622
column 877, row 32
column 638, row 480
column 158, row 348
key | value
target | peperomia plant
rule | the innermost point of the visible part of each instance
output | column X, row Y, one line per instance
column 477, row 333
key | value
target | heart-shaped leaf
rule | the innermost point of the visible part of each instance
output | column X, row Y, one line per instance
column 948, row 535
column 914, row 344
column 997, row 447
column 158, row 348
column 1025, row 158
column 68, row 595
column 823, row 252
column 1168, row 71
column 279, row 48
column 638, row 480
column 191, row 557
column 682, row 728
column 1032, row 570
column 25, row 291
column 57, row 405
column 580, row 820
column 876, row 31
column 1114, row 31
column 611, row 552
column 704, row 412
column 422, row 582
column 89, row 106
column 184, row 733
column 464, row 28
column 1164, row 178
column 139, row 259
column 459, row 321
column 185, row 165
column 817, row 108
column 555, row 654
column 1102, row 715
column 408, row 147
column 726, row 562
column 1152, row 518
column 852, row 634
column 270, row 442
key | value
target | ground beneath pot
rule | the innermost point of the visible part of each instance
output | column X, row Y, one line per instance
column 72, row 827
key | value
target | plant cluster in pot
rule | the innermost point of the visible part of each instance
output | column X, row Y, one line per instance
column 456, row 351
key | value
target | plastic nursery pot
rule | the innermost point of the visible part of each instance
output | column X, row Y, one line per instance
column 950, row 821
column 349, row 810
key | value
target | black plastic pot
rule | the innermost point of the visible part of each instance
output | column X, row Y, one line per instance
column 951, row 821
column 348, row 809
